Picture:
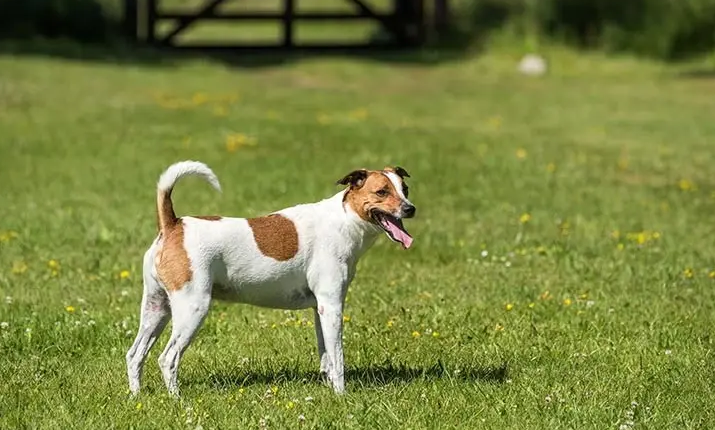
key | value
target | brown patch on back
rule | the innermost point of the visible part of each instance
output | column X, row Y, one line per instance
column 209, row 217
column 362, row 197
column 172, row 261
column 275, row 236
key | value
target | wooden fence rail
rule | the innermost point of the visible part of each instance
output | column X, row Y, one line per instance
column 405, row 24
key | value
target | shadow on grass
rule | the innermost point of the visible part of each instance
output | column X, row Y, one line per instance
column 702, row 73
column 368, row 376
column 123, row 54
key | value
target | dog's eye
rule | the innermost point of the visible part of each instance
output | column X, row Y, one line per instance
column 405, row 191
column 381, row 193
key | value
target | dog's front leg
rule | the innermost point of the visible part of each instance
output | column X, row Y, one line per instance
column 322, row 353
column 330, row 312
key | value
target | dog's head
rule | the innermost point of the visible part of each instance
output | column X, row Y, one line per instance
column 380, row 197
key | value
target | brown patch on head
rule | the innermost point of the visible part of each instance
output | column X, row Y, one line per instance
column 370, row 190
column 209, row 217
column 275, row 236
column 172, row 261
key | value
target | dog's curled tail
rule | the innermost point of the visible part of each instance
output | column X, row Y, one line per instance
column 166, row 217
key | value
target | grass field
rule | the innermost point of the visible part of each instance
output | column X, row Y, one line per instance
column 562, row 276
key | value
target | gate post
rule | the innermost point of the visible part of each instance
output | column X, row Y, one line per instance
column 130, row 20
column 151, row 13
column 288, row 11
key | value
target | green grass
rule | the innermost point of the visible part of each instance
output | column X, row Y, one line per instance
column 487, row 322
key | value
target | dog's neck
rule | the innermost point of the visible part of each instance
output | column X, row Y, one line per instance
column 358, row 234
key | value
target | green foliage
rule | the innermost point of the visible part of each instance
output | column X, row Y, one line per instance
column 663, row 29
column 87, row 21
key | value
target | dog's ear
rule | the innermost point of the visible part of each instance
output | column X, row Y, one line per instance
column 356, row 178
column 399, row 171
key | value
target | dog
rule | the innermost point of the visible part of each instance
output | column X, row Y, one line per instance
column 296, row 258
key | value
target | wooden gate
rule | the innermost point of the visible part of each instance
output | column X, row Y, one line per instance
column 401, row 24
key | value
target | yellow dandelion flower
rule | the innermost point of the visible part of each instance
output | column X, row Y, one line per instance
column 688, row 273
column 435, row 334
column 711, row 275
column 238, row 140
column 139, row 406
column 124, row 274
column 551, row 167
column 524, row 218
column 392, row 323
column 274, row 389
column 241, row 390
column 686, row 185
column 199, row 98
column 509, row 306
column 7, row 236
column 521, row 153
column 70, row 309
column 531, row 305
column 415, row 334
column 359, row 114
column 290, row 405
column 641, row 238
column 53, row 264
column 620, row 247
column 567, row 302
column 346, row 318
column 19, row 267
column 498, row 327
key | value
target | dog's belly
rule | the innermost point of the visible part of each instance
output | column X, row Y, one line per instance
column 277, row 294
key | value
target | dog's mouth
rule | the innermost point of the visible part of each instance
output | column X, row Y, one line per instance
column 393, row 227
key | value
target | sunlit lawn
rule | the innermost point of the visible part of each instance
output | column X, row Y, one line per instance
column 561, row 277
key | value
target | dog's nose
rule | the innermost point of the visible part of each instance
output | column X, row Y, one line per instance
column 410, row 211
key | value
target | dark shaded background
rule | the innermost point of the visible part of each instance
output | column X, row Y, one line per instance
column 663, row 29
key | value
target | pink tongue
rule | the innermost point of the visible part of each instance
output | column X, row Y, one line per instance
column 399, row 234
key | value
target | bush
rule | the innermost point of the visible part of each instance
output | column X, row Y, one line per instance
column 664, row 29
column 87, row 21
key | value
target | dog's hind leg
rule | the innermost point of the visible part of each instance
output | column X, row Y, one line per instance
column 154, row 316
column 189, row 307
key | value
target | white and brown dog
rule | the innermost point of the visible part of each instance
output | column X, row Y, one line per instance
column 296, row 258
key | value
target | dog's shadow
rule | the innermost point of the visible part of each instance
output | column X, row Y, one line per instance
column 379, row 375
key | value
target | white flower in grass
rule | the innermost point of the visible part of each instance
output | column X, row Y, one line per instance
column 8, row 300
column 4, row 325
